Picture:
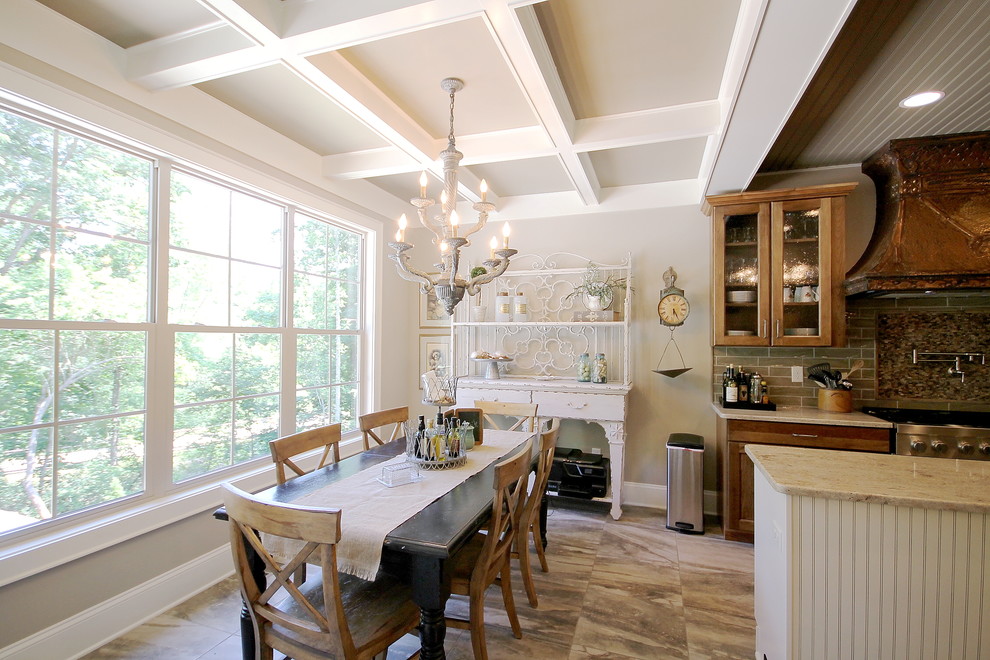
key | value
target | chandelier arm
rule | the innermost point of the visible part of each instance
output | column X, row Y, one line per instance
column 421, row 212
column 482, row 221
column 406, row 271
column 497, row 266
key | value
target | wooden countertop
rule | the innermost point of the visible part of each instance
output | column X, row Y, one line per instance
column 803, row 416
column 927, row 483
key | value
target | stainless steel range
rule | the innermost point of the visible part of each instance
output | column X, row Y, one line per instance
column 938, row 433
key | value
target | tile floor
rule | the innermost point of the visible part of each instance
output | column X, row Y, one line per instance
column 619, row 589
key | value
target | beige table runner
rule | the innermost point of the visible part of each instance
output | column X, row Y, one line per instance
column 370, row 510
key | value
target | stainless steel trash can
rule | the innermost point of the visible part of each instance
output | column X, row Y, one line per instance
column 685, row 483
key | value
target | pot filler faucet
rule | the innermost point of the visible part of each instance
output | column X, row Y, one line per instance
column 956, row 359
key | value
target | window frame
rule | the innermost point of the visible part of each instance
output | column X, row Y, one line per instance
column 36, row 547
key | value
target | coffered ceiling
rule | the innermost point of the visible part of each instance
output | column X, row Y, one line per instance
column 569, row 106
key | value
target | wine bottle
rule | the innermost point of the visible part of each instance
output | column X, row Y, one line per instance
column 731, row 387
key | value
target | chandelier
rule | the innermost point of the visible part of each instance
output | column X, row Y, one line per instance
column 446, row 284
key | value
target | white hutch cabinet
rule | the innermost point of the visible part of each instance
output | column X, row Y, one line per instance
column 545, row 348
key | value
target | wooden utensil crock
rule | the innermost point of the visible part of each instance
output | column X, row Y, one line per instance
column 835, row 400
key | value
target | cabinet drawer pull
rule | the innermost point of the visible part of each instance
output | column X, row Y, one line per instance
column 576, row 406
column 805, row 435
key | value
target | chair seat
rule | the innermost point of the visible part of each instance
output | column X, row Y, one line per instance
column 371, row 608
column 463, row 564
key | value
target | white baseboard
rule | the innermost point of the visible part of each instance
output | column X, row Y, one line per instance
column 102, row 623
column 655, row 497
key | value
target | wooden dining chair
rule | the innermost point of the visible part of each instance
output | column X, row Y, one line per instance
column 284, row 449
column 376, row 420
column 484, row 561
column 333, row 615
column 524, row 412
column 530, row 518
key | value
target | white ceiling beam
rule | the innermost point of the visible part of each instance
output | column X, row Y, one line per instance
column 793, row 39
column 647, row 127
column 648, row 196
column 369, row 162
column 190, row 58
column 494, row 147
column 517, row 32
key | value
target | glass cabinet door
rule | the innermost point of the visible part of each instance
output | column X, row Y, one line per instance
column 741, row 240
column 801, row 307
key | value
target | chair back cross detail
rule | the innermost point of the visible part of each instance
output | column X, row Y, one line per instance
column 524, row 412
column 373, row 422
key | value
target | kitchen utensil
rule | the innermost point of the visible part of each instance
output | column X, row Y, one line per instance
column 845, row 384
column 824, row 371
column 856, row 366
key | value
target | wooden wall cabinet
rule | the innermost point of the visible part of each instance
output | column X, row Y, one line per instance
column 778, row 267
column 737, row 468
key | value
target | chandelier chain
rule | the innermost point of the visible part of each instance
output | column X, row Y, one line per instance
column 450, row 136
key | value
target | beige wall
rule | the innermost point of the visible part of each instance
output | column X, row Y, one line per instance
column 42, row 600
column 861, row 205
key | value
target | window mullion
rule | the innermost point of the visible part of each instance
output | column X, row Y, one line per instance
column 161, row 341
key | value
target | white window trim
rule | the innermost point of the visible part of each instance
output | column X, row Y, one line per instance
column 37, row 548
column 62, row 542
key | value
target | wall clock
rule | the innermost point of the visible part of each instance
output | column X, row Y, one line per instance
column 673, row 310
column 673, row 307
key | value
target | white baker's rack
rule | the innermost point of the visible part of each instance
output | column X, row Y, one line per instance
column 549, row 344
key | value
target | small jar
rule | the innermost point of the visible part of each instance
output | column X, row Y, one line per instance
column 503, row 307
column 599, row 370
column 584, row 368
column 520, row 310
column 467, row 436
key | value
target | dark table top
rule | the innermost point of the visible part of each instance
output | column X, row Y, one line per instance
column 438, row 530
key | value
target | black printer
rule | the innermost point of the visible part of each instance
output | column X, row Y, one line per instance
column 577, row 474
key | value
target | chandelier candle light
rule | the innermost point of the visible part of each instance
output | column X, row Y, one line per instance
column 448, row 287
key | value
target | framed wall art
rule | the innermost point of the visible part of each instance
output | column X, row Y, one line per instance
column 431, row 312
column 434, row 352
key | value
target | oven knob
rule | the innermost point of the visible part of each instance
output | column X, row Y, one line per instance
column 939, row 447
column 965, row 448
column 985, row 448
column 917, row 446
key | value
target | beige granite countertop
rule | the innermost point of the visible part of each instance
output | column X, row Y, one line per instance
column 928, row 483
column 803, row 416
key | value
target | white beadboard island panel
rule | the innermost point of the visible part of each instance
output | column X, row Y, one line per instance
column 855, row 574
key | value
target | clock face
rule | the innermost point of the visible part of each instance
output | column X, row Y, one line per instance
column 673, row 309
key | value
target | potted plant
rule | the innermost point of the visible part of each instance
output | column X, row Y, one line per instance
column 478, row 311
column 595, row 289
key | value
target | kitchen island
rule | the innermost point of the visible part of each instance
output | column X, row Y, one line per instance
column 870, row 555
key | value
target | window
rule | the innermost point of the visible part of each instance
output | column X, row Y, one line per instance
column 327, row 301
column 74, row 263
column 260, row 317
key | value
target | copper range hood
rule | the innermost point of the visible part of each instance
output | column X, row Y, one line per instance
column 932, row 230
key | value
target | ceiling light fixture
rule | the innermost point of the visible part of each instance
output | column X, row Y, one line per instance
column 921, row 98
column 448, row 287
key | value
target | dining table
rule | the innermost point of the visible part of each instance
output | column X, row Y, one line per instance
column 417, row 550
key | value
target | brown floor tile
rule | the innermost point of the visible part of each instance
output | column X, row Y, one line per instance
column 616, row 589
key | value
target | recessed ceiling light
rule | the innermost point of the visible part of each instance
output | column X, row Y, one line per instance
column 921, row 98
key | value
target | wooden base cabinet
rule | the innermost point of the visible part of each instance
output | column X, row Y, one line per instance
column 737, row 468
